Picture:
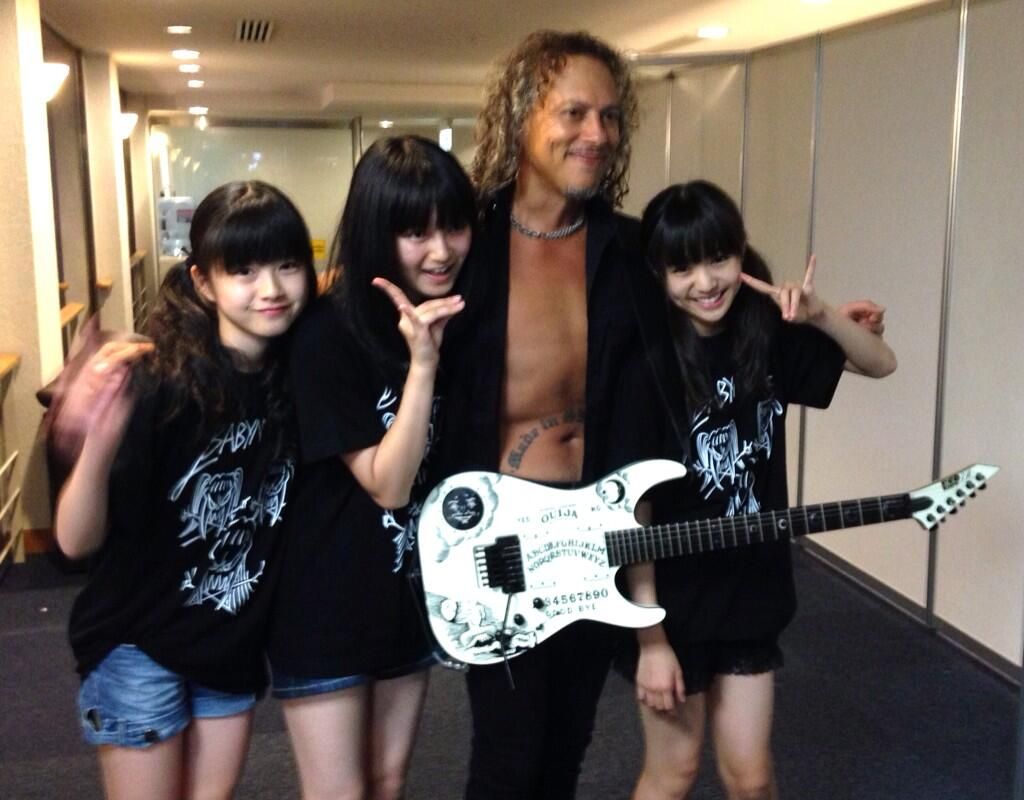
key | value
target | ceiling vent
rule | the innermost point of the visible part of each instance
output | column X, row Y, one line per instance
column 254, row 31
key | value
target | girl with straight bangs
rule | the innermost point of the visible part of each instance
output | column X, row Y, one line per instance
column 180, row 484
column 746, row 349
column 348, row 649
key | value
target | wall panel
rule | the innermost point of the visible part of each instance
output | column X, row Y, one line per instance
column 980, row 572
column 647, row 166
column 883, row 165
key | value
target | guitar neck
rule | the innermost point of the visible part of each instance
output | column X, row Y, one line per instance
column 724, row 533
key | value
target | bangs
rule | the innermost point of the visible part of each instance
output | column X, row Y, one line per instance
column 692, row 225
column 258, row 234
column 432, row 188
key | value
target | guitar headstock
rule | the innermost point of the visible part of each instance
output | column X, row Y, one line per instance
column 931, row 504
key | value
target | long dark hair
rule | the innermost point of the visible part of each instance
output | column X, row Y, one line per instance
column 236, row 225
column 398, row 185
column 689, row 224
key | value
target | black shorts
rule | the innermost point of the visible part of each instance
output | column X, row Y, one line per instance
column 702, row 661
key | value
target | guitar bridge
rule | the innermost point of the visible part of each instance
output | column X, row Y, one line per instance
column 500, row 565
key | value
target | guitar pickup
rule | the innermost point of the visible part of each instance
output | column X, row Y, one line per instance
column 500, row 565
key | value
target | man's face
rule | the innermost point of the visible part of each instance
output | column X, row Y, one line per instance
column 573, row 134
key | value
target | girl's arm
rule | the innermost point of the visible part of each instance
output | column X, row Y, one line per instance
column 387, row 470
column 866, row 352
column 99, row 405
column 659, row 678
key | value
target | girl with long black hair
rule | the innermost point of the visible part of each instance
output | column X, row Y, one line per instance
column 348, row 648
column 746, row 349
column 178, row 492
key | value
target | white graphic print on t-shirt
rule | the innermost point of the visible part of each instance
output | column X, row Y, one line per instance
column 404, row 536
column 724, row 462
column 225, row 522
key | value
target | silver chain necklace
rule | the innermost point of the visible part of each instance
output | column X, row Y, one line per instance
column 557, row 233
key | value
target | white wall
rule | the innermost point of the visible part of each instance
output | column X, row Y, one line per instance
column 855, row 161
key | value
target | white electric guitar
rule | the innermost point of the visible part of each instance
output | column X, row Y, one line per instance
column 508, row 563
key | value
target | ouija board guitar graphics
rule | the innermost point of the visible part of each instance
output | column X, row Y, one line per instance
column 507, row 563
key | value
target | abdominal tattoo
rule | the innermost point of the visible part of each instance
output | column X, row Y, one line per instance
column 568, row 417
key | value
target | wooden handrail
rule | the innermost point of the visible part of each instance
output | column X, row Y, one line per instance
column 69, row 313
column 8, row 361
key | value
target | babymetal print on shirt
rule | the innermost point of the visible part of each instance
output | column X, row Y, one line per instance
column 219, row 523
column 724, row 462
column 404, row 537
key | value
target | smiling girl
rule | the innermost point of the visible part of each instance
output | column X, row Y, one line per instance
column 348, row 650
column 746, row 350
column 179, row 493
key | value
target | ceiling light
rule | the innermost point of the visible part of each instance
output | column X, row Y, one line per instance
column 197, row 110
column 189, row 68
column 179, row 30
column 185, row 55
column 51, row 77
column 386, row 123
column 712, row 32
column 195, row 83
column 444, row 138
column 126, row 124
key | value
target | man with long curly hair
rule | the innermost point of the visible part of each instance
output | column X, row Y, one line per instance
column 556, row 375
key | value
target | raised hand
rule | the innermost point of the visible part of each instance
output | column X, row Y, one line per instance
column 798, row 302
column 422, row 325
column 865, row 313
column 97, row 403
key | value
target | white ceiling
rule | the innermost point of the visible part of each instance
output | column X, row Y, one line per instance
column 330, row 57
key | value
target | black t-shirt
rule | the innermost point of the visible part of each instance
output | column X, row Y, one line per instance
column 187, row 568
column 737, row 465
column 343, row 594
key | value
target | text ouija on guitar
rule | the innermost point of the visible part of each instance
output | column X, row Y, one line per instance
column 508, row 563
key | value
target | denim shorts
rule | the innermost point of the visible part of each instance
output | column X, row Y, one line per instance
column 290, row 687
column 131, row 701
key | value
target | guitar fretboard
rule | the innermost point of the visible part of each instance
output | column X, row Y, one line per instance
column 723, row 533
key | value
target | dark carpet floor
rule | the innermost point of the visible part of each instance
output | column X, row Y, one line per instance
column 870, row 706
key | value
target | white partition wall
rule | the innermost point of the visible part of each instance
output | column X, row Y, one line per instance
column 855, row 145
column 648, row 168
column 980, row 570
column 706, row 126
column 777, row 163
column 883, row 161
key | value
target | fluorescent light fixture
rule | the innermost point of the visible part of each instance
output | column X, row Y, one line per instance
column 202, row 123
column 51, row 78
column 197, row 110
column 712, row 32
column 444, row 138
column 185, row 55
column 126, row 124
column 386, row 123
column 189, row 68
column 179, row 30
column 195, row 83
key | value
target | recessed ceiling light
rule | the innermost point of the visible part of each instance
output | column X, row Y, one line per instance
column 195, row 83
column 190, row 68
column 386, row 123
column 185, row 55
column 179, row 30
column 197, row 110
column 712, row 32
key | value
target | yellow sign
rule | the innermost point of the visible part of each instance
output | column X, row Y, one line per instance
column 319, row 248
